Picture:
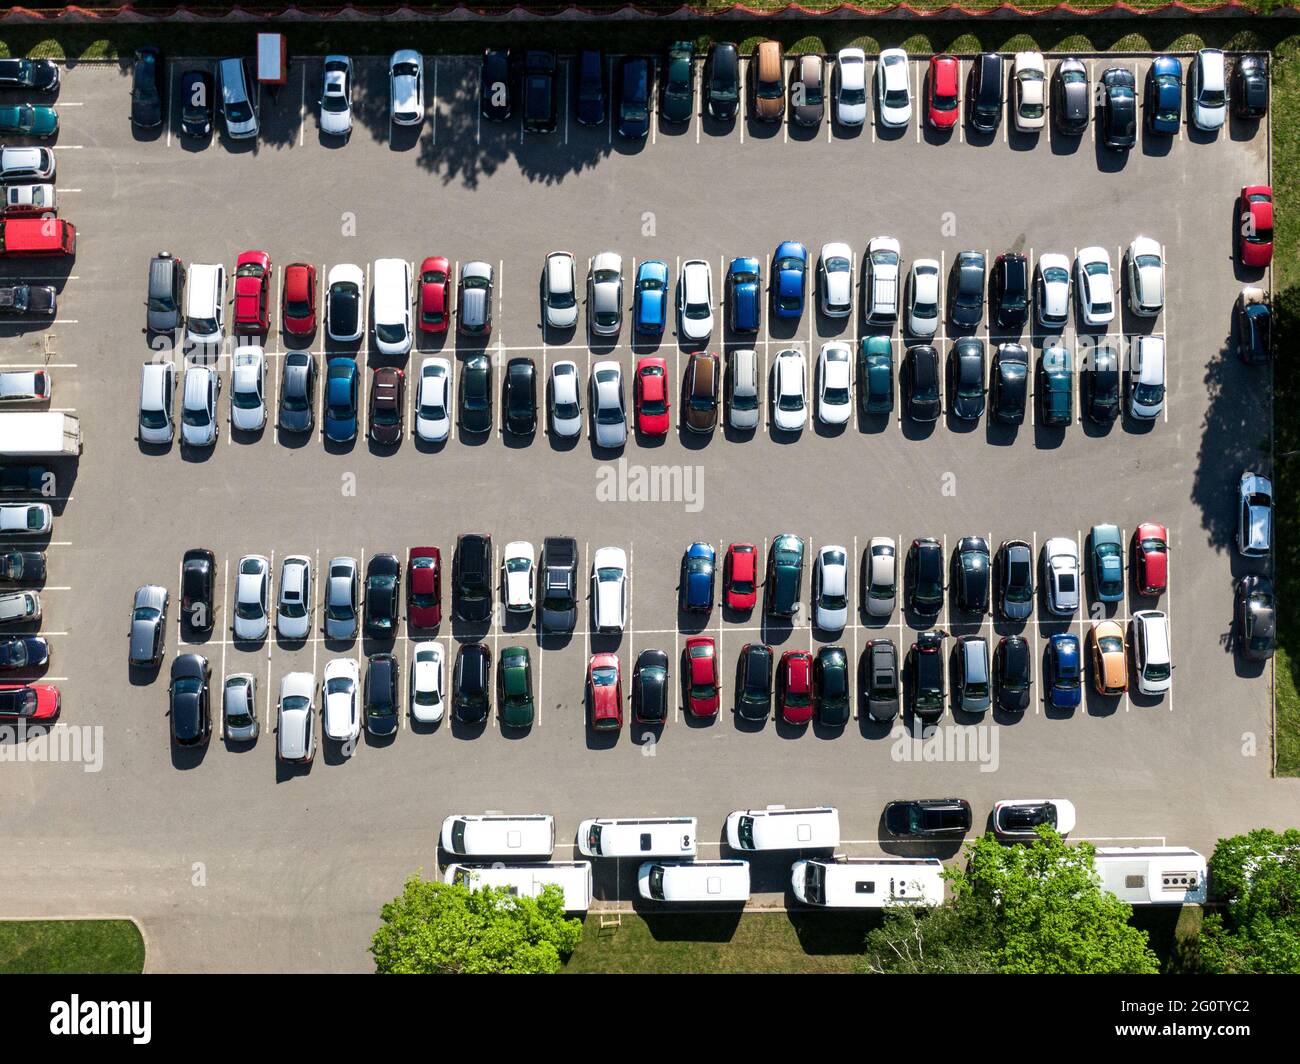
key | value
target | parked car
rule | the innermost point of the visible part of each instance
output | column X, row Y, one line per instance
column 966, row 379
column 966, row 290
column 650, row 687
column 383, row 590
column 342, row 598
column 1056, row 386
column 754, row 681
column 252, row 598
column 973, row 683
column 1255, row 515
column 199, row 425
column 1061, row 575
column 518, row 573
column 472, row 578
column 1151, row 558
column 722, row 81
column 1109, row 659
column 1106, row 562
column 566, row 399
column 972, row 569
column 343, row 303
column 1013, row 671
column 383, row 700
column 921, row 383
column 428, row 703
column 878, row 679
column 677, row 83
column 766, row 81
column 197, row 102
column 342, row 392
column 38, row 300
column 472, row 684
column 876, row 375
column 608, row 412
column 41, row 75
column 923, row 298
column 189, row 697
column 148, row 634
column 650, row 300
column 893, row 89
column 26, row 164
column 1102, row 384
column 695, row 301
column 740, row 577
column 29, row 120
column 1071, row 97
column 476, row 394
column 605, row 294
column 589, row 88
column 520, row 405
column 296, row 603
column 1064, row 671
column 1015, row 579
column 198, row 579
column 148, row 99
column 928, row 817
column 1009, row 388
column 789, row 273
column 927, row 690
column 1029, row 73
column 298, row 304
column 495, row 88
column 559, row 290
column 239, row 708
column 835, row 279
column 1163, row 102
column 633, row 79
column 1152, row 657
column 475, row 298
column 540, row 107
column 943, row 91
column 340, row 700
column 605, row 692
column 830, row 589
column 1020, row 818
column 406, row 87
column 834, row 383
column 695, row 583
column 789, row 391
column 1253, row 326
column 1118, row 110
column 794, row 687
column 849, row 87
column 1208, row 89
column 1255, row 233
column 1094, row 285
column 1250, row 86
column 807, row 90
column 336, row 96
column 1255, row 618
column 298, row 392
column 253, row 292
column 879, row 577
column 295, row 714
column 515, row 688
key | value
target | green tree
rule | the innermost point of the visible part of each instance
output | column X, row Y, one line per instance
column 954, row 939
column 445, row 928
column 1256, row 878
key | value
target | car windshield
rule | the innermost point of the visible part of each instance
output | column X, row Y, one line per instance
column 603, row 677
column 853, row 96
column 1212, row 97
column 153, row 419
column 246, row 398
column 197, row 417
column 393, row 333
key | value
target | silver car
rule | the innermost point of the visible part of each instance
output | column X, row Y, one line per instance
column 248, row 389
column 605, row 294
column 406, row 81
column 239, row 708
column 199, row 406
column 336, row 96
column 293, row 612
column 476, row 297
column 560, row 293
column 1061, row 562
column 295, row 730
column 342, row 597
column 252, row 597
column 566, row 401
column 608, row 411
column 880, row 577
column 148, row 625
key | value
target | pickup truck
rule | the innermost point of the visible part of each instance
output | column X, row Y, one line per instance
column 559, row 576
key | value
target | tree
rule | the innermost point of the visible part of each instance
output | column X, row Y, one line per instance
column 1256, row 879
column 445, row 928
column 954, row 939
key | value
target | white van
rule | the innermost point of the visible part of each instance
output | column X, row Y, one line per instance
column 868, row 883
column 529, row 880
column 659, row 837
column 236, row 104
column 1146, row 375
column 1151, row 653
column 779, row 828
column 687, row 882
column 391, row 293
column 498, row 835
column 1152, row 875
column 205, row 303
column 19, row 606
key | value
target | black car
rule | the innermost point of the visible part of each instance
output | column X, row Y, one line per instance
column 539, row 91
column 922, row 383
column 471, row 578
column 1118, row 109
column 1009, row 290
column 650, row 687
column 1071, row 97
column 383, row 590
column 1256, row 618
column 382, row 700
column 633, row 81
column 984, row 92
column 589, row 104
column 722, row 81
column 966, row 289
column 147, row 103
column 22, row 567
column 343, row 308
column 25, row 478
column 1253, row 321
column 831, row 686
column 754, row 682
column 1250, row 87
column 471, row 694
column 476, row 394
column 924, row 576
column 24, row 652
column 39, row 74
column 521, row 396
column 929, row 817
column 191, row 710
column 1010, row 386
column 22, row 298
column 966, row 379
column 198, row 568
column 1015, row 579
column 1102, row 385
column 494, row 84
column 196, row 103
column 971, row 567
column 1013, row 673
column 878, row 678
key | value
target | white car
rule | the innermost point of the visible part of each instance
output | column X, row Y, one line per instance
column 566, row 400
column 157, row 385
column 831, row 589
column 1029, row 73
column 609, row 589
column 1152, row 660
column 1209, row 90
column 605, row 294
column 26, row 518
column 884, row 259
column 1061, row 561
column 789, row 391
column 341, row 696
column 1255, row 515
column 295, row 730
column 345, row 293
column 923, row 298
column 559, row 290
column 1052, row 290
column 1146, row 377
column 252, row 597
column 294, row 608
column 1146, row 277
column 427, row 701
column 336, row 96
column 26, row 386
column 851, row 87
column 199, row 406
column 433, row 409
column 835, row 269
column 26, row 164
column 517, row 576
column 893, row 90
column 1095, row 286
column 30, row 199
column 607, row 409
column 406, row 81
column 248, row 389
column 881, row 576
column 1016, row 818
column 834, row 395
column 695, row 300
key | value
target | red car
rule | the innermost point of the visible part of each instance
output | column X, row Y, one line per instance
column 435, row 281
column 605, row 692
column 942, row 91
column 740, row 576
column 424, row 587
column 1256, row 225
column 701, row 673
column 253, row 292
column 651, row 394
column 794, row 686
column 1151, row 557
column 298, row 306
column 28, row 702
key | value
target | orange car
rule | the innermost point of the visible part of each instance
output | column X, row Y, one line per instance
column 1109, row 658
column 767, row 82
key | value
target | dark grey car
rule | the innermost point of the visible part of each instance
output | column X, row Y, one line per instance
column 298, row 392
column 1071, row 97
column 880, row 679
column 166, row 292
column 966, row 289
column 148, row 625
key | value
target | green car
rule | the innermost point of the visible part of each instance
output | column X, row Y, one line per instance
column 515, row 677
column 677, row 94
column 876, row 375
column 1106, row 562
column 28, row 120
column 1058, row 386
column 784, row 575
column 831, row 686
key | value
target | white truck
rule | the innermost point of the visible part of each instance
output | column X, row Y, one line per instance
column 39, row 434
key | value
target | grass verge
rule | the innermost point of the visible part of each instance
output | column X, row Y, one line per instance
column 70, row 947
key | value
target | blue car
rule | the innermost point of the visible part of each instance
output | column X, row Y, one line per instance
column 1064, row 671
column 744, row 276
column 650, row 301
column 341, row 400
column 1164, row 95
column 790, row 270
column 696, row 588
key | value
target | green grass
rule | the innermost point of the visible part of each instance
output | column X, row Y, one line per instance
column 70, row 947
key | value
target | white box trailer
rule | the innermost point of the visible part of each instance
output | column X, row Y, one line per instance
column 39, row 434
column 272, row 59
column 1153, row 875
column 529, row 880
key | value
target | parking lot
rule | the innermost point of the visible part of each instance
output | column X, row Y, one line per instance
column 235, row 862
